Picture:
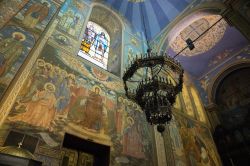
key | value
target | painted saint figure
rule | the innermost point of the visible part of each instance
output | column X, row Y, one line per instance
column 37, row 80
column 132, row 142
column 68, row 21
column 40, row 110
column 88, row 39
column 93, row 111
column 35, row 14
column 10, row 49
column 101, row 44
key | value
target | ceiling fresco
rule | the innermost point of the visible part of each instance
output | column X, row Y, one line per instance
column 194, row 30
column 218, row 44
column 158, row 13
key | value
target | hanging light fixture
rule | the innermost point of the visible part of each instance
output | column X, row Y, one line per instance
column 156, row 91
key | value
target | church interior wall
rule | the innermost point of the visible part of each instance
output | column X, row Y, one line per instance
column 60, row 82
column 65, row 94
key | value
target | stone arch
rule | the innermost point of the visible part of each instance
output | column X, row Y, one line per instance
column 213, row 86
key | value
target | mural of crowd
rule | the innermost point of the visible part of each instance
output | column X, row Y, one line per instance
column 56, row 97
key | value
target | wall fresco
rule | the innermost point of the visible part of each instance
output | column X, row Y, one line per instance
column 15, row 44
column 57, row 98
column 71, row 17
column 35, row 15
column 197, row 142
column 133, row 45
column 17, row 41
column 228, row 57
column 177, row 143
column 198, row 105
column 187, row 101
column 64, row 94
column 8, row 9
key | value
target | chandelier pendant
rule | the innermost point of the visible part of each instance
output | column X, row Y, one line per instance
column 155, row 94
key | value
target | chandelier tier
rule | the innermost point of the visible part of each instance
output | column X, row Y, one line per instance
column 155, row 94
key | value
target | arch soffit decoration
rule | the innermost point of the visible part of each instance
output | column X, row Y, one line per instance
column 213, row 86
column 107, row 9
column 187, row 17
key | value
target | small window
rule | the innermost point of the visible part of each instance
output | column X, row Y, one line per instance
column 95, row 45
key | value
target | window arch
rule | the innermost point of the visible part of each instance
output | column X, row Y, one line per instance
column 95, row 45
column 105, row 20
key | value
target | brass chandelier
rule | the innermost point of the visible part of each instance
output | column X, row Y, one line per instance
column 155, row 93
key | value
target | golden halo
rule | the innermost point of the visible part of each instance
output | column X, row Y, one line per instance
column 20, row 34
column 48, row 65
column 130, row 120
column 64, row 72
column 49, row 87
column 58, row 69
column 72, row 76
column 40, row 62
column 120, row 99
column 94, row 87
column 130, row 103
column 125, row 101
column 46, row 2
column 62, row 37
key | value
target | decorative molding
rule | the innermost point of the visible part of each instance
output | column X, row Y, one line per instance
column 212, row 87
column 48, row 152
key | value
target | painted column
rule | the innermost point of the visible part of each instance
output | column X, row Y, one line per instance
column 160, row 148
column 168, row 147
column 212, row 111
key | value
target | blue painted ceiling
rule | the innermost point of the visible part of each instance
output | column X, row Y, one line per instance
column 231, row 43
column 157, row 13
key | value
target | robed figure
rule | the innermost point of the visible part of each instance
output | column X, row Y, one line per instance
column 35, row 14
column 10, row 50
column 40, row 110
column 93, row 111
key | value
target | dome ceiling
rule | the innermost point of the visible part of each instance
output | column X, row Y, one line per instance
column 158, row 13
column 194, row 30
column 219, row 44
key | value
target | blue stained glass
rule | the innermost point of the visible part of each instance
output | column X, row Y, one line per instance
column 95, row 45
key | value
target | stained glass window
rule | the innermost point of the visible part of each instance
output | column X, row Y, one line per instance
column 95, row 45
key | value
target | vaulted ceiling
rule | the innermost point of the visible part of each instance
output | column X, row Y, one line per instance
column 220, row 43
column 157, row 13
